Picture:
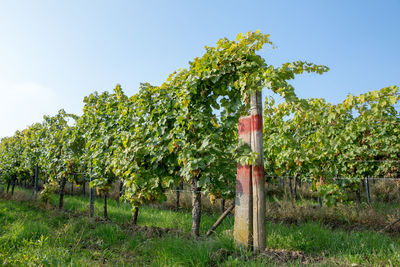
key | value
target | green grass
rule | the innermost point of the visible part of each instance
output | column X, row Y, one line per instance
column 32, row 235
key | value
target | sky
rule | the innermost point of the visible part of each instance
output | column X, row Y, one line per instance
column 54, row 53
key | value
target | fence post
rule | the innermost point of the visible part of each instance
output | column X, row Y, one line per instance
column 257, row 176
column 320, row 202
column 366, row 180
column 243, row 225
column 290, row 188
column 178, row 195
column 321, row 181
column 91, row 196
column 296, row 177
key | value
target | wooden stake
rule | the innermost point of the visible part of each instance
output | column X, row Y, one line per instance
column 295, row 186
column 220, row 219
column 366, row 180
column 390, row 225
column 258, row 181
column 196, row 206
column 177, row 201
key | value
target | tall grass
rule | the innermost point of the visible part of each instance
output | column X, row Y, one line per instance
column 31, row 235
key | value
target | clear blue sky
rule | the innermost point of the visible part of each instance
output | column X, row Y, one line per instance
column 53, row 53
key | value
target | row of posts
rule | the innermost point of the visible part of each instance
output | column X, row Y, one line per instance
column 293, row 190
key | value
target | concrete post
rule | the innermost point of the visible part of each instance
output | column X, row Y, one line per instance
column 243, row 227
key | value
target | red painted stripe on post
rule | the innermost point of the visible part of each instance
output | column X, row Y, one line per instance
column 244, row 125
column 256, row 122
column 243, row 179
column 258, row 174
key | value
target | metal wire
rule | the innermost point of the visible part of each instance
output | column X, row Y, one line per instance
column 335, row 178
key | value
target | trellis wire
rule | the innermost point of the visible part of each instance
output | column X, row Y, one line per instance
column 335, row 178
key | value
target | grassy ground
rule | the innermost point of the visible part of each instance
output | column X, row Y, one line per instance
column 32, row 233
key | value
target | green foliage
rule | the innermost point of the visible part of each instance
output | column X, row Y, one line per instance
column 61, row 150
column 354, row 139
column 11, row 157
column 331, row 194
column 100, row 126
